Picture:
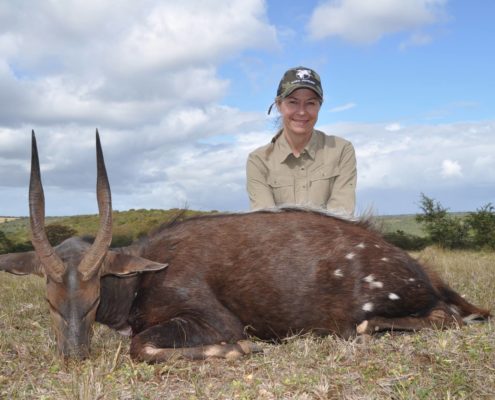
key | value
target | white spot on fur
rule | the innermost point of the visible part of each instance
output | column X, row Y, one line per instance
column 393, row 296
column 377, row 246
column 384, row 259
column 214, row 350
column 350, row 256
column 368, row 307
column 411, row 280
column 376, row 285
column 361, row 328
column 373, row 284
column 151, row 350
column 338, row 273
column 361, row 245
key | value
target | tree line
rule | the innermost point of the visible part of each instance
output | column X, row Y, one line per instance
column 476, row 230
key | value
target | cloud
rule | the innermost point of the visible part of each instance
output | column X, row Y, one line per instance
column 393, row 127
column 65, row 62
column 451, row 169
column 419, row 158
column 151, row 169
column 365, row 22
column 343, row 107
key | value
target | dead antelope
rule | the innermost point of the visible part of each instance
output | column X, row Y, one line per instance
column 200, row 287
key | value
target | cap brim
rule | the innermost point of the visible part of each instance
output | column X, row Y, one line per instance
column 302, row 86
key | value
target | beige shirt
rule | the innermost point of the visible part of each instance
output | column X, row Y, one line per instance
column 323, row 176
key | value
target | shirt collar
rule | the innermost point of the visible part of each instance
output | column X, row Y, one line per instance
column 283, row 149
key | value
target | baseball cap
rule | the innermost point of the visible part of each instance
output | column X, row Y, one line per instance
column 297, row 78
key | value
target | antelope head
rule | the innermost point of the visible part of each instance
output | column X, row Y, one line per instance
column 73, row 269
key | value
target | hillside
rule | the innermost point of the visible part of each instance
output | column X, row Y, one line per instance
column 131, row 224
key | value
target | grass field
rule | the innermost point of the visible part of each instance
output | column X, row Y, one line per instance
column 7, row 219
column 452, row 364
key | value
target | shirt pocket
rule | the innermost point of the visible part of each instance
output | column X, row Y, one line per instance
column 321, row 182
column 282, row 187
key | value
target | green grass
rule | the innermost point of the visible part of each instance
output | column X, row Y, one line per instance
column 127, row 225
column 406, row 223
column 431, row 364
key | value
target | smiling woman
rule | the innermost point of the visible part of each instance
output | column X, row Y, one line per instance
column 301, row 165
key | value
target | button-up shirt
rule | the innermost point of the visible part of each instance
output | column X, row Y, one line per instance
column 323, row 176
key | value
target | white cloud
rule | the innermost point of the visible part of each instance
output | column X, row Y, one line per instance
column 363, row 21
column 451, row 169
column 393, row 127
column 69, row 62
column 151, row 169
column 343, row 107
column 419, row 158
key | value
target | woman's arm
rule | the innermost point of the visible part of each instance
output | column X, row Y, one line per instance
column 260, row 193
column 343, row 197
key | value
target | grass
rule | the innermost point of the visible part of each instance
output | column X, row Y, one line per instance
column 451, row 364
column 127, row 225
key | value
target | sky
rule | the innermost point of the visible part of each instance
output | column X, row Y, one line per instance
column 179, row 92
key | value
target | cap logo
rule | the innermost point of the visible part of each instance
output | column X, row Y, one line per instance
column 303, row 73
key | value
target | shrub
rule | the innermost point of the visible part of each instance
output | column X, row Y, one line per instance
column 482, row 224
column 445, row 230
column 5, row 243
column 57, row 233
column 406, row 241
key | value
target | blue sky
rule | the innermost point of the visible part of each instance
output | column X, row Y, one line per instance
column 179, row 92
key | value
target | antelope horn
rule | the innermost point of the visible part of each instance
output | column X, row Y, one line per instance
column 54, row 267
column 91, row 262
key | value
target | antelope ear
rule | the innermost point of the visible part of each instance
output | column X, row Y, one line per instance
column 21, row 263
column 125, row 264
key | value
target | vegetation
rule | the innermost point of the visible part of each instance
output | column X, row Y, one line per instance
column 127, row 226
column 476, row 230
column 424, row 365
column 431, row 364
column 434, row 226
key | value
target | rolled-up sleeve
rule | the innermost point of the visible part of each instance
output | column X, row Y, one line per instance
column 343, row 197
column 260, row 193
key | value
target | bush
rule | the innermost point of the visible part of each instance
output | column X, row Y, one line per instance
column 5, row 244
column 482, row 224
column 444, row 230
column 57, row 233
column 406, row 241
column 121, row 240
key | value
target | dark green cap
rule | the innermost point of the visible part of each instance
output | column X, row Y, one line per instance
column 297, row 78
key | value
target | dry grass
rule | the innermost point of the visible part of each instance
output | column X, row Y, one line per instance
column 453, row 364
column 6, row 219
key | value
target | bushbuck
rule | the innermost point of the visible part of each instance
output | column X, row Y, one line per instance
column 201, row 287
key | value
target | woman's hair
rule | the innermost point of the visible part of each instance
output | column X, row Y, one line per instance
column 271, row 147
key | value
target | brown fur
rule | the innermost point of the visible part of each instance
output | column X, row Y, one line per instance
column 272, row 274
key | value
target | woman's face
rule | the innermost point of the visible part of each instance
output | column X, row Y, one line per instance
column 299, row 112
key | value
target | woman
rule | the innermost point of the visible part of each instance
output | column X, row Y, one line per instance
column 301, row 165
